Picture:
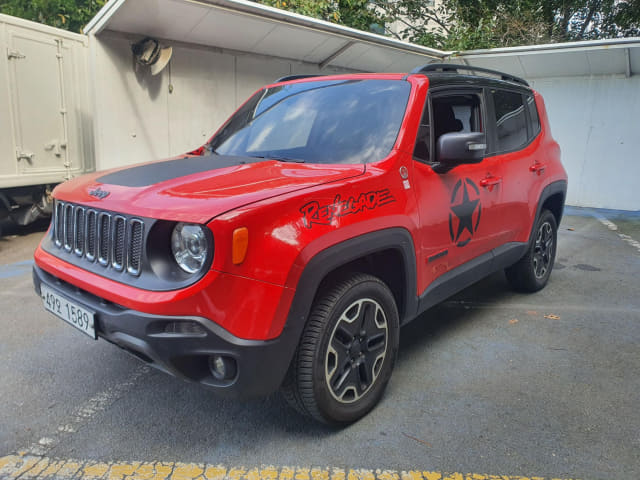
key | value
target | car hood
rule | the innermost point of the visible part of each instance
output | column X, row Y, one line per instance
column 196, row 188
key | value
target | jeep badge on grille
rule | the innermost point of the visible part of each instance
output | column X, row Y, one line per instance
column 99, row 193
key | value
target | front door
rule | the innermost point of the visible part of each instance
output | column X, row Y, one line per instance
column 458, row 218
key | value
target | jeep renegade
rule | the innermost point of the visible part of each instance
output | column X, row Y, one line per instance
column 326, row 213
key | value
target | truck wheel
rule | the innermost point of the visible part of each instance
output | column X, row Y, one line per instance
column 346, row 353
column 531, row 272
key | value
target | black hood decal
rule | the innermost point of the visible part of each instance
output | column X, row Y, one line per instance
column 146, row 175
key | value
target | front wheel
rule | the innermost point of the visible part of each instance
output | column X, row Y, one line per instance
column 531, row 273
column 346, row 353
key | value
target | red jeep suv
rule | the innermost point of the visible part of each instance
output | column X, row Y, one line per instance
column 326, row 213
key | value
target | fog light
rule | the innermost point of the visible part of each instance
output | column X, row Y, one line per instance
column 193, row 329
column 222, row 368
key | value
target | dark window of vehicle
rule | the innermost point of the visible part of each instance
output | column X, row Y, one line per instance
column 450, row 113
column 423, row 138
column 345, row 121
column 534, row 120
column 456, row 113
column 511, row 121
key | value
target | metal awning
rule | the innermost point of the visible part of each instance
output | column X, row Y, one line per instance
column 619, row 56
column 246, row 26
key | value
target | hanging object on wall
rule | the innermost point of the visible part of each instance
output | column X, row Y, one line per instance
column 148, row 52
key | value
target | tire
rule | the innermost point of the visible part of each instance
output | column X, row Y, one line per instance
column 346, row 353
column 531, row 273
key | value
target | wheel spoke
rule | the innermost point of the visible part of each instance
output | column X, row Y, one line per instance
column 367, row 313
column 339, row 379
column 537, row 264
column 376, row 342
column 365, row 376
column 343, row 337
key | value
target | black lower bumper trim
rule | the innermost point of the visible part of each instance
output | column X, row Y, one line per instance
column 183, row 346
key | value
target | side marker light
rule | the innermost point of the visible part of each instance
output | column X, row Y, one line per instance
column 240, row 244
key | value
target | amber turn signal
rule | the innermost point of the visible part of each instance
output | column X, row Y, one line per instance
column 240, row 244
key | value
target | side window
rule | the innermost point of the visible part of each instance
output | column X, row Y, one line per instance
column 423, row 139
column 511, row 121
column 456, row 113
column 534, row 119
column 451, row 113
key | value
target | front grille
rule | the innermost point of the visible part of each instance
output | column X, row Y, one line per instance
column 111, row 240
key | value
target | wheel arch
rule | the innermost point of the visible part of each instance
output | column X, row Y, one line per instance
column 366, row 253
column 388, row 254
column 552, row 198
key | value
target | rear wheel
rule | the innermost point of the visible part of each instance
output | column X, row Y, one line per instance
column 531, row 273
column 346, row 353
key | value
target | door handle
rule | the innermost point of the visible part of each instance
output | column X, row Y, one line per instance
column 490, row 182
column 537, row 168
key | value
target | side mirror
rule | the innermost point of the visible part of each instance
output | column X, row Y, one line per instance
column 456, row 148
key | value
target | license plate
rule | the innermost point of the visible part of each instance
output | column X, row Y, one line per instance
column 70, row 312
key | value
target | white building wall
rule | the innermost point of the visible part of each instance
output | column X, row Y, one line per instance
column 596, row 121
column 139, row 117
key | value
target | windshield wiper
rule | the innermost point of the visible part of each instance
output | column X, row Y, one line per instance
column 278, row 159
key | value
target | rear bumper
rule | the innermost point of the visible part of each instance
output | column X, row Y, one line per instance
column 185, row 352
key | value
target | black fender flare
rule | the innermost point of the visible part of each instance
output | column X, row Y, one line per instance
column 559, row 186
column 334, row 257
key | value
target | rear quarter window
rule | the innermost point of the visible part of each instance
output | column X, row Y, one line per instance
column 511, row 120
column 534, row 119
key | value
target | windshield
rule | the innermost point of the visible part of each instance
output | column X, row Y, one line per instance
column 339, row 121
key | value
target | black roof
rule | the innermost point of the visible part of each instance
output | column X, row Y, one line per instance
column 450, row 74
column 444, row 78
column 455, row 68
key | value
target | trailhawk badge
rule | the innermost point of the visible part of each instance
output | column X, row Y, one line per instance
column 466, row 210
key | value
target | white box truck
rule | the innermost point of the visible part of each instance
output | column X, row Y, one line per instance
column 45, row 121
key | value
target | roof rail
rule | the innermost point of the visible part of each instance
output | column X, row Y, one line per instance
column 454, row 68
column 295, row 77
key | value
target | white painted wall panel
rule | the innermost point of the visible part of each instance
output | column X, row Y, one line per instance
column 255, row 72
column 202, row 98
column 596, row 121
column 137, row 118
column 131, row 108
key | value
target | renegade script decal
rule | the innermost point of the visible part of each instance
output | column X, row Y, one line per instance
column 314, row 213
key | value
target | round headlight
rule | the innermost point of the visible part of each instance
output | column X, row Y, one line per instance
column 189, row 246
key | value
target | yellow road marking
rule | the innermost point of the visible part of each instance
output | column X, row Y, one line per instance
column 23, row 467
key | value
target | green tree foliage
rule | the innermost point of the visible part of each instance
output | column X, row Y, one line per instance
column 452, row 25
column 360, row 14
column 470, row 24
column 70, row 15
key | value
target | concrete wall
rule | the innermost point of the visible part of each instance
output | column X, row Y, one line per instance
column 139, row 117
column 596, row 120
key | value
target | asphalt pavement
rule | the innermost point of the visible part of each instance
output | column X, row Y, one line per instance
column 491, row 381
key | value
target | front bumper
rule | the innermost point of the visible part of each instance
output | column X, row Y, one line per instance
column 185, row 352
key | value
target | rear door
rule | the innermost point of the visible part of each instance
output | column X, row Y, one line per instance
column 515, row 144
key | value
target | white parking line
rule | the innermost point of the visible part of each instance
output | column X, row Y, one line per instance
column 82, row 415
column 614, row 228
